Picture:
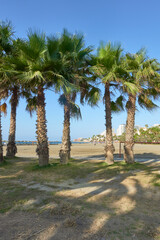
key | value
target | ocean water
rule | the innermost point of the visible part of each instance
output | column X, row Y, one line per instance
column 34, row 142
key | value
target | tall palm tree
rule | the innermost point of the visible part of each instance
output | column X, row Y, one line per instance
column 5, row 49
column 33, row 54
column 71, row 110
column 141, row 70
column 77, row 56
column 108, row 66
column 3, row 108
column 14, row 66
column 129, row 136
column 11, row 146
column 14, row 92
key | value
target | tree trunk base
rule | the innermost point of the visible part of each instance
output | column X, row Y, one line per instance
column 43, row 160
column 1, row 158
column 11, row 150
column 64, row 156
column 109, row 158
column 43, row 154
column 109, row 150
column 128, row 154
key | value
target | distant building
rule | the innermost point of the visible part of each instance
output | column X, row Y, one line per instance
column 121, row 129
column 113, row 132
column 104, row 133
column 137, row 128
column 156, row 125
column 144, row 128
column 77, row 140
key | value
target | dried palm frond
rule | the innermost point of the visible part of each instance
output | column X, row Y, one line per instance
column 3, row 108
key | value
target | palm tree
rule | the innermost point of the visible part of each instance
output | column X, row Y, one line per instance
column 11, row 146
column 13, row 66
column 72, row 49
column 108, row 66
column 14, row 92
column 3, row 108
column 141, row 70
column 129, row 136
column 5, row 49
column 71, row 110
column 33, row 55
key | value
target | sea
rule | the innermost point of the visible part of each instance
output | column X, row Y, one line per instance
column 34, row 142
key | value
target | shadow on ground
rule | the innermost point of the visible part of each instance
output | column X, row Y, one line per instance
column 110, row 202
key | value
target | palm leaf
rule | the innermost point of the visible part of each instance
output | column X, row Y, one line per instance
column 3, row 108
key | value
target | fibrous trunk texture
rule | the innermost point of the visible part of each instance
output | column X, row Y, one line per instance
column 109, row 148
column 66, row 142
column 1, row 146
column 129, row 137
column 11, row 146
column 42, row 140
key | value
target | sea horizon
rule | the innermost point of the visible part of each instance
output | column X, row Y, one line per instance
column 22, row 142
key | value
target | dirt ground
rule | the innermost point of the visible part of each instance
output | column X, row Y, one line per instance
column 89, row 149
column 85, row 199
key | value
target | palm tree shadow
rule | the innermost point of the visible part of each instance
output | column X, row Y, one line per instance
column 129, row 210
column 138, row 157
column 136, row 223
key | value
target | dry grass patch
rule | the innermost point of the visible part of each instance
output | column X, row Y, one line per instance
column 83, row 199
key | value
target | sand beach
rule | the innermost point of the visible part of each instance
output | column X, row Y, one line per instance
column 89, row 149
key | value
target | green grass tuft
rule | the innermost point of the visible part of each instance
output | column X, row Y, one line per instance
column 156, row 180
column 5, row 164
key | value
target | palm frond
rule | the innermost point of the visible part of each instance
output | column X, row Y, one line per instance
column 130, row 87
column 75, row 111
column 145, row 102
column 3, row 108
column 93, row 96
column 31, row 105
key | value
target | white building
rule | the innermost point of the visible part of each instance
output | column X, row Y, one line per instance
column 121, row 129
column 104, row 133
column 137, row 128
column 156, row 125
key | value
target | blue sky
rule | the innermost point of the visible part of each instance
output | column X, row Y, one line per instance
column 133, row 23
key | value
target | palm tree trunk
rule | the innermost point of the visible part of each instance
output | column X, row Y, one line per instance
column 109, row 148
column 129, row 136
column 11, row 146
column 66, row 141
column 42, row 140
column 1, row 145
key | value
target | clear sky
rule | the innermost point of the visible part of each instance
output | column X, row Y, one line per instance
column 133, row 23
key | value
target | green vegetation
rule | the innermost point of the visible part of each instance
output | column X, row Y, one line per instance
column 156, row 180
column 151, row 134
column 145, row 134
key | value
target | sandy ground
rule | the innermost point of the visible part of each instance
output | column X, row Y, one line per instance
column 80, row 150
column 86, row 200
